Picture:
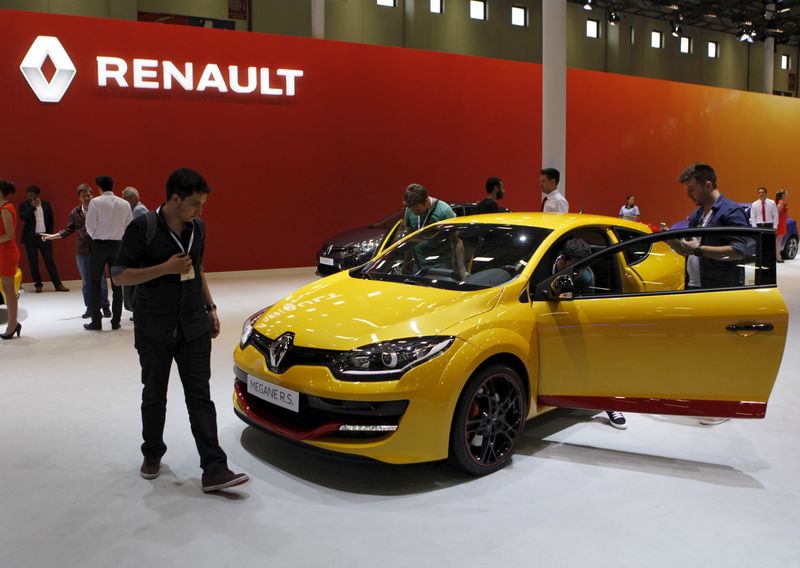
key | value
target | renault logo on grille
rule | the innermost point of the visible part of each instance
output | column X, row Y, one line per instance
column 278, row 350
column 53, row 90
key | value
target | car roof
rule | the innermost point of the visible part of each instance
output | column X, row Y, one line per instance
column 553, row 221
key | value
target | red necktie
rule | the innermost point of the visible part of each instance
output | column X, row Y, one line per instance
column 764, row 211
column 543, row 202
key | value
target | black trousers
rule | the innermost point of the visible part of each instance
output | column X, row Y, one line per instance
column 194, row 367
column 45, row 248
column 103, row 254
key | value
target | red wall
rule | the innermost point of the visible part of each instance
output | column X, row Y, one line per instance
column 365, row 122
column 634, row 135
column 286, row 172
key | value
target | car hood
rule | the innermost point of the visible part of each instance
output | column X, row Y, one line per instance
column 342, row 313
column 353, row 236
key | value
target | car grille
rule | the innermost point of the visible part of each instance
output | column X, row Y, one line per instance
column 296, row 355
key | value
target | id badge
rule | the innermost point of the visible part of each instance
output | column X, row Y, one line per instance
column 188, row 275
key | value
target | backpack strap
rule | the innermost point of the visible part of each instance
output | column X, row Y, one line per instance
column 201, row 228
column 150, row 232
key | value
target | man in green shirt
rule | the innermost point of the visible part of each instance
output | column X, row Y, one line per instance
column 422, row 210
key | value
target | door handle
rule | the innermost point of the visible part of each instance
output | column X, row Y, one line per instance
column 738, row 327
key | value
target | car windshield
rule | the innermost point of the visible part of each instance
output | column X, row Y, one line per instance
column 458, row 257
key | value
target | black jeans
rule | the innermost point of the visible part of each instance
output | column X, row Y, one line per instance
column 194, row 367
column 103, row 253
column 46, row 249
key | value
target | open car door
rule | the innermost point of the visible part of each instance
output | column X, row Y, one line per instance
column 706, row 343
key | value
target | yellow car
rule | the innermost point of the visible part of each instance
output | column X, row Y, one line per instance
column 17, row 286
column 444, row 344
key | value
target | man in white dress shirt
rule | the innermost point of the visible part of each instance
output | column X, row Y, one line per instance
column 106, row 219
column 552, row 200
column 763, row 211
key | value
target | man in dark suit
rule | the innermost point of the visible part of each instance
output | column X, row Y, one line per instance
column 38, row 217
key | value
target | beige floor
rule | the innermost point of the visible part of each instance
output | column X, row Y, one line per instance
column 666, row 492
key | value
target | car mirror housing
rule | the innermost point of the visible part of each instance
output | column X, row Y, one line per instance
column 561, row 287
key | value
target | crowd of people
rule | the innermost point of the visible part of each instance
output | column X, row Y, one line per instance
column 160, row 255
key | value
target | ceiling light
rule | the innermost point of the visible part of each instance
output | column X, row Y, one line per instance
column 613, row 17
column 587, row 5
column 744, row 34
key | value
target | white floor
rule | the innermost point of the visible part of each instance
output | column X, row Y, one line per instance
column 666, row 492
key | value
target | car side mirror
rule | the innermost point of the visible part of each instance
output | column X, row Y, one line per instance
column 561, row 287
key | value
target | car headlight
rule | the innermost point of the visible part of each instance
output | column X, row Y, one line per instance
column 363, row 248
column 247, row 326
column 389, row 360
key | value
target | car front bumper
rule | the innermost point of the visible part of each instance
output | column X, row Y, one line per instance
column 402, row 421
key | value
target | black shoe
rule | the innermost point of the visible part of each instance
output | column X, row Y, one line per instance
column 151, row 468
column 87, row 314
column 62, row 288
column 115, row 325
column 617, row 420
column 223, row 480
column 106, row 312
column 38, row 289
column 93, row 326
column 10, row 334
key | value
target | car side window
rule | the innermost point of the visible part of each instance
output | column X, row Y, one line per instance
column 593, row 279
column 690, row 260
column 635, row 254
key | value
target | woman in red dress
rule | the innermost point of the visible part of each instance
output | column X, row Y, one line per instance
column 783, row 208
column 9, row 257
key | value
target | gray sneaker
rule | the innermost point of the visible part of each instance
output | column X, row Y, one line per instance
column 223, row 480
column 151, row 468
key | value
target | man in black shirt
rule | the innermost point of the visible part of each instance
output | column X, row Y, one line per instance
column 495, row 192
column 174, row 319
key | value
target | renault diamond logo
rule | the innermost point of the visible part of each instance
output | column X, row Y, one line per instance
column 48, row 91
column 279, row 348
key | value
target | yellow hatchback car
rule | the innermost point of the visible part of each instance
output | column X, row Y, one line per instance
column 445, row 344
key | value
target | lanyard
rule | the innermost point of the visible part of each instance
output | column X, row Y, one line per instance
column 178, row 241
column 422, row 224
column 180, row 244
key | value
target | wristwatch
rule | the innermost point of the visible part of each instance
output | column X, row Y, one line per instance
column 698, row 251
column 210, row 307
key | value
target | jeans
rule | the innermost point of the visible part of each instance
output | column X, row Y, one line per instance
column 193, row 359
column 83, row 267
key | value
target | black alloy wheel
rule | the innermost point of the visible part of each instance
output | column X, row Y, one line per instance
column 790, row 248
column 488, row 421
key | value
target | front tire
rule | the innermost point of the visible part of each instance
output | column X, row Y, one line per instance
column 790, row 248
column 488, row 421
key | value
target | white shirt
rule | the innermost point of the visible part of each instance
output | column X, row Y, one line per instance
column 556, row 203
column 107, row 217
column 770, row 210
column 39, row 214
column 693, row 262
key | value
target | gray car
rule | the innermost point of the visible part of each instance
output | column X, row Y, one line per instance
column 356, row 246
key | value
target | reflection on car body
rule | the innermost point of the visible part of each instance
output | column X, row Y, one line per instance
column 407, row 361
column 17, row 287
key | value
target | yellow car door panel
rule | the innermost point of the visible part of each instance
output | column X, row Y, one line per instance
column 698, row 352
